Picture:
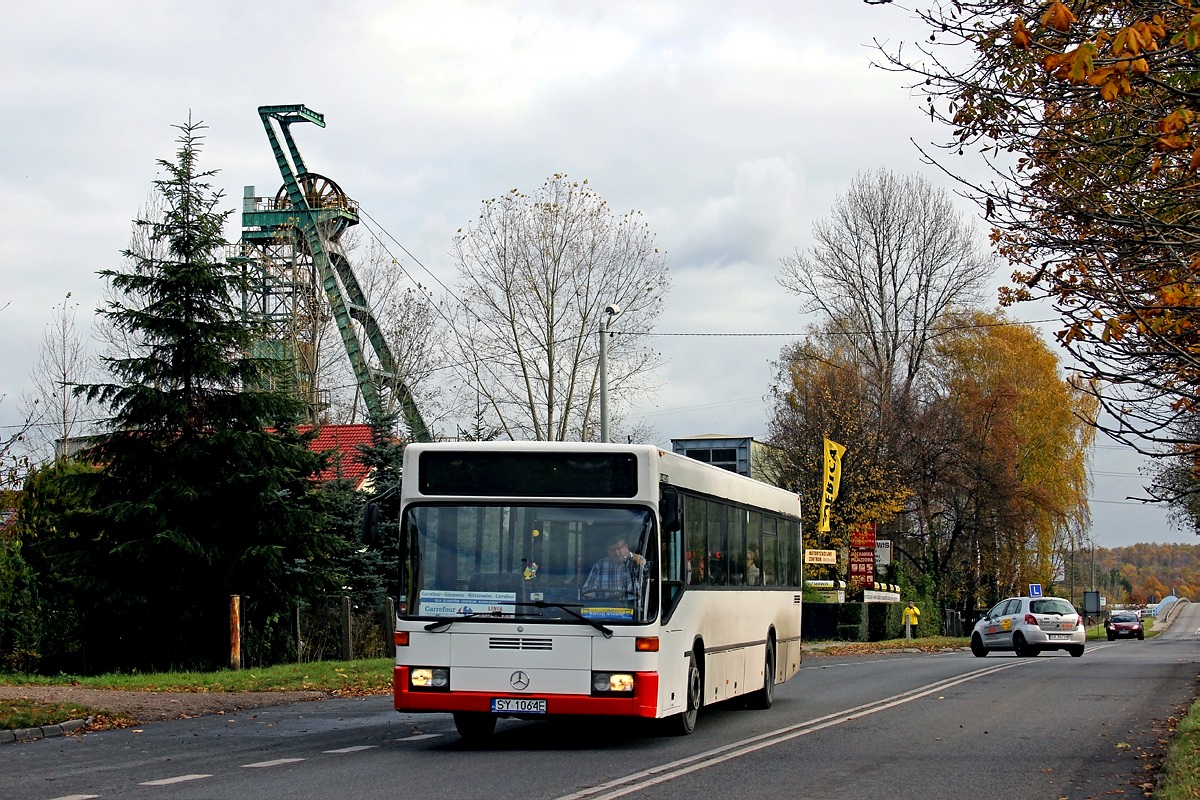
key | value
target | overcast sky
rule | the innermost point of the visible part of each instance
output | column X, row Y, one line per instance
column 730, row 126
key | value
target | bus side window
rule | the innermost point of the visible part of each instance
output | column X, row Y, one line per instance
column 754, row 560
column 718, row 562
column 694, row 535
column 770, row 552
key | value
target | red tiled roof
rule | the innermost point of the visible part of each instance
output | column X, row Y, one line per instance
column 344, row 441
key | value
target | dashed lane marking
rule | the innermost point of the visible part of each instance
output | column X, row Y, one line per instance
column 419, row 736
column 273, row 763
column 176, row 779
column 353, row 749
column 76, row 797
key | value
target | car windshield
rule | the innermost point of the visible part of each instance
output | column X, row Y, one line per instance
column 1051, row 605
column 1124, row 617
column 530, row 562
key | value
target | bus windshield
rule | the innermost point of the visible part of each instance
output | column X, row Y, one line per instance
column 562, row 563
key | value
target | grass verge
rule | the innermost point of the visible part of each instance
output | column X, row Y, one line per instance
column 20, row 713
column 373, row 676
column 1179, row 777
column 342, row 678
column 925, row 644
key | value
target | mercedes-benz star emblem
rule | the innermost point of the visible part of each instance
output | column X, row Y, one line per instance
column 519, row 681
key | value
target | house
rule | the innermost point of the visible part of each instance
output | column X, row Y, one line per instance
column 343, row 443
column 741, row 454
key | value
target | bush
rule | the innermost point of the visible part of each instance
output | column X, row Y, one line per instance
column 852, row 622
column 884, row 621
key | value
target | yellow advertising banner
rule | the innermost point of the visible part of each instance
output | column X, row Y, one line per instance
column 831, row 481
column 820, row 556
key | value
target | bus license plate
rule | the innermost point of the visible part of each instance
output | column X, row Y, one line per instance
column 517, row 705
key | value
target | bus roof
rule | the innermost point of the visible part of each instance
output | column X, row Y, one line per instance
column 673, row 469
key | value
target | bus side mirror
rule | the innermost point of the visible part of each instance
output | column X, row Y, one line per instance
column 668, row 509
column 370, row 524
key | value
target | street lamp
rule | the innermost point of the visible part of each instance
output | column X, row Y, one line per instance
column 611, row 312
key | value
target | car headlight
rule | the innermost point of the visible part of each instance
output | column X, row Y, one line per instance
column 429, row 677
column 612, row 682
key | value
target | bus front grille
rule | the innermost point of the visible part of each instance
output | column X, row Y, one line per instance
column 519, row 643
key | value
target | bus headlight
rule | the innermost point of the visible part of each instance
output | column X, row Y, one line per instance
column 429, row 677
column 612, row 682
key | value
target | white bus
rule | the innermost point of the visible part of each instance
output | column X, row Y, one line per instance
column 502, row 613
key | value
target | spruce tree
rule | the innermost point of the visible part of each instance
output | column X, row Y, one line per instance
column 205, row 489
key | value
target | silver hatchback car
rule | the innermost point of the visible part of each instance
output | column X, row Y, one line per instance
column 1029, row 625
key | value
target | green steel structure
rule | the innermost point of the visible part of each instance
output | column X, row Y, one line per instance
column 290, row 245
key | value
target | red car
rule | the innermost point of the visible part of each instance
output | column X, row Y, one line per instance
column 1124, row 623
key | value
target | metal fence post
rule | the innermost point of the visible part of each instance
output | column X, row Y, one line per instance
column 347, row 653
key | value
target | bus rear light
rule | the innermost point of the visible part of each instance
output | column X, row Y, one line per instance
column 612, row 683
column 646, row 644
column 400, row 638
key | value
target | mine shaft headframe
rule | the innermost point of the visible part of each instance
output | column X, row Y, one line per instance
column 303, row 189
column 319, row 211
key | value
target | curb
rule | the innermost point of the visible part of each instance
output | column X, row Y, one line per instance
column 43, row 732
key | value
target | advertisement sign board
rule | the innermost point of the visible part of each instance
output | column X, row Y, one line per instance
column 863, row 535
column 820, row 556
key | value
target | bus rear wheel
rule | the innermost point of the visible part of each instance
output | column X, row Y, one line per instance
column 474, row 726
column 764, row 697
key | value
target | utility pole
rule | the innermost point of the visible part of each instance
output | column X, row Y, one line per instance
column 611, row 312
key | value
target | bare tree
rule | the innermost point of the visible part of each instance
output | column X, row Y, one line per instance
column 893, row 256
column 536, row 274
column 63, row 363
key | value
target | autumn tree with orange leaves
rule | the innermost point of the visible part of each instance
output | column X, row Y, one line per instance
column 1087, row 117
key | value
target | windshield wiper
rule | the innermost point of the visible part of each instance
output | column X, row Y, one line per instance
column 448, row 621
column 607, row 631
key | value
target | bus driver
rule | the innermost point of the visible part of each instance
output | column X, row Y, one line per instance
column 617, row 576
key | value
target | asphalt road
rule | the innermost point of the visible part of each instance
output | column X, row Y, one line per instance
column 898, row 727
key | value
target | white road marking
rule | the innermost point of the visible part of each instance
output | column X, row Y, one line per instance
column 177, row 779
column 75, row 797
column 353, row 749
column 638, row 781
column 419, row 736
column 273, row 763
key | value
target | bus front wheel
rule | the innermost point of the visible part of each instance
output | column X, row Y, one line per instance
column 474, row 726
column 684, row 723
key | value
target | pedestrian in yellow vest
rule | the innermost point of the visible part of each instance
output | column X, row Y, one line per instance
column 911, row 617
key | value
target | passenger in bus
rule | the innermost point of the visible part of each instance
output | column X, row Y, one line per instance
column 617, row 576
column 752, row 570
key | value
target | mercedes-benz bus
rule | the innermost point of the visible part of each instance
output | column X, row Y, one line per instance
column 503, row 546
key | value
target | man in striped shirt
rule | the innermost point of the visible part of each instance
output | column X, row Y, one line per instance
column 617, row 576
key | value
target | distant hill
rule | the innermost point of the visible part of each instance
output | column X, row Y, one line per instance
column 1146, row 573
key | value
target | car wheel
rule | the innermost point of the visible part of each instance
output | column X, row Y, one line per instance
column 977, row 647
column 474, row 726
column 1141, row 637
column 1075, row 650
column 1111, row 637
column 1020, row 647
